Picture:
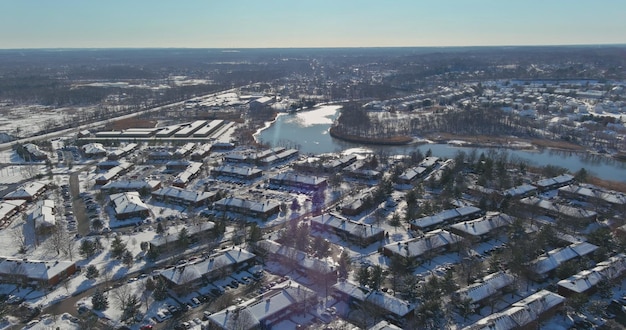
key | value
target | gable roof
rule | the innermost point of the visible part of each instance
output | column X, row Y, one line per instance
column 33, row 269
column 128, row 202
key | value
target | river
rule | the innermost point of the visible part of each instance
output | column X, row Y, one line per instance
column 308, row 132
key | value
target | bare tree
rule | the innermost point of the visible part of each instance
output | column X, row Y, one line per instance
column 146, row 293
column 19, row 239
column 58, row 239
column 29, row 171
column 126, row 301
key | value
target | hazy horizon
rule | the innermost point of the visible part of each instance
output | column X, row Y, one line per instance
column 234, row 49
column 244, row 24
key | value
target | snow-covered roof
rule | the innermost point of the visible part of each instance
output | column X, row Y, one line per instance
column 566, row 210
column 520, row 313
column 298, row 178
column 283, row 154
column 131, row 185
column 552, row 259
column 384, row 325
column 43, row 214
column 255, row 313
column 34, row 150
column 418, row 246
column 202, row 149
column 587, row 279
column 190, row 272
column 483, row 225
column 113, row 172
column 94, row 149
column 557, row 180
column 259, row 207
column 190, row 171
column 128, row 202
column 185, row 149
column 237, row 170
column 301, row 258
column 122, row 151
column 387, row 302
column 27, row 190
column 490, row 285
column 354, row 228
column 445, row 216
column 184, row 195
column 590, row 191
column 520, row 190
column 33, row 269
column 9, row 207
column 192, row 229
column 412, row 173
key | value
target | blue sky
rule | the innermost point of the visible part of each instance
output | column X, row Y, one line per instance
column 308, row 23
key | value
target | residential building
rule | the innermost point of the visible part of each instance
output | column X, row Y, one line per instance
column 317, row 268
column 586, row 281
column 122, row 152
column 349, row 230
column 527, row 313
column 94, row 150
column 393, row 309
column 573, row 214
column 38, row 273
column 251, row 208
column 143, row 187
column 195, row 232
column 129, row 205
column 543, row 266
column 298, row 181
column 113, row 173
column 237, row 172
column 186, row 277
column 191, row 172
column 554, row 183
column 423, row 247
column 9, row 208
column 490, row 287
column 484, row 227
column 266, row 311
column 33, row 153
column 29, row 191
column 184, row 197
column 44, row 215
column 445, row 217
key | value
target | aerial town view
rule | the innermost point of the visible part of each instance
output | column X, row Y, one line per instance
column 176, row 170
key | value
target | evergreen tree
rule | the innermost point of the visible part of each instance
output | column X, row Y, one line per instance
column 92, row 272
column 363, row 276
column 97, row 225
column 376, row 277
column 152, row 254
column 117, row 248
column 87, row 248
column 131, row 307
column 99, row 300
column 345, row 264
column 127, row 258
column 159, row 228
column 183, row 238
column 295, row 205
column 255, row 233
column 150, row 284
column 159, row 292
